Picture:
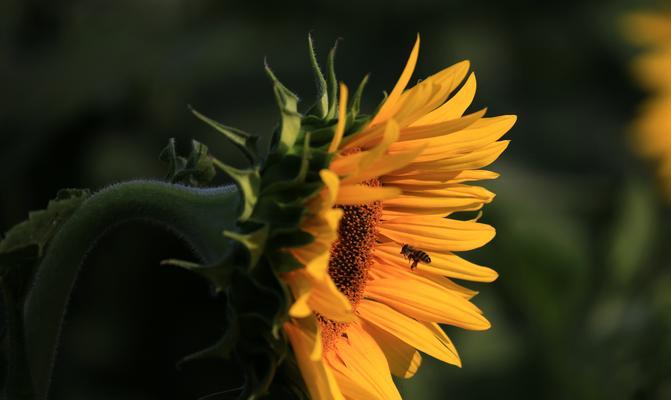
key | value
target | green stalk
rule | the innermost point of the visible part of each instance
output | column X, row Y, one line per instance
column 17, row 384
column 199, row 216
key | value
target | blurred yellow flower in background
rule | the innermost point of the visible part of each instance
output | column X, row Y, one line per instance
column 361, row 311
column 653, row 68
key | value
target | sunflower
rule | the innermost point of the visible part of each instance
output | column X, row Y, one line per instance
column 653, row 127
column 361, row 313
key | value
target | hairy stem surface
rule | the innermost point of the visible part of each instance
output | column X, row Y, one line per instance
column 197, row 215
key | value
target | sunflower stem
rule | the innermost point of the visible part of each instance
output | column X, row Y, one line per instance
column 199, row 216
column 17, row 383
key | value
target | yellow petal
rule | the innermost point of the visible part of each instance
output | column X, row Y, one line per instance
column 430, row 93
column 403, row 359
column 344, row 165
column 480, row 134
column 453, row 108
column 366, row 362
column 426, row 302
column 438, row 129
column 320, row 295
column 384, row 165
column 449, row 177
column 317, row 264
column 402, row 82
column 342, row 119
column 416, row 334
column 327, row 300
column 437, row 234
column 434, row 202
column 416, row 102
column 301, row 290
column 361, row 194
column 317, row 376
column 472, row 160
column 444, row 263
column 457, row 177
column 323, row 226
column 332, row 184
column 389, row 213
column 352, row 384
column 364, row 139
column 382, row 270
column 453, row 191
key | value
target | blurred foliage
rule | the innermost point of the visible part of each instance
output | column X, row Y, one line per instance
column 92, row 90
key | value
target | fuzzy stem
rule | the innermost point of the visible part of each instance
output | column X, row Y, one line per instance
column 197, row 215
column 17, row 384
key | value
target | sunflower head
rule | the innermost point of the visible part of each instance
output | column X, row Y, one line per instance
column 343, row 260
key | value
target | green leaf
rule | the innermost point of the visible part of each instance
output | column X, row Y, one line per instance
column 254, row 242
column 322, row 95
column 244, row 141
column 249, row 183
column 196, row 170
column 290, row 118
column 42, row 225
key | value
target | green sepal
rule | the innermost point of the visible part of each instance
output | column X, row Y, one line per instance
column 244, row 141
column 196, row 170
column 322, row 94
column 254, row 242
column 283, row 262
column 357, row 124
column 293, row 193
column 225, row 346
column 260, row 301
column 290, row 239
column 290, row 123
column 249, row 183
column 256, row 310
column 305, row 160
column 319, row 159
column 270, row 210
column 283, row 171
column 218, row 275
column 322, row 136
column 356, row 99
column 290, row 173
column 332, row 83
column 42, row 225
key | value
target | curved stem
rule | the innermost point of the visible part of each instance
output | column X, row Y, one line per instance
column 17, row 384
column 197, row 215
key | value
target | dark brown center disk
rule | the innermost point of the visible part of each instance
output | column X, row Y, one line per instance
column 350, row 257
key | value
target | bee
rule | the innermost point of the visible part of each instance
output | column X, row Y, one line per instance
column 415, row 255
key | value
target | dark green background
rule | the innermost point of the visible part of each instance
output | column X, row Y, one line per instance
column 90, row 91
